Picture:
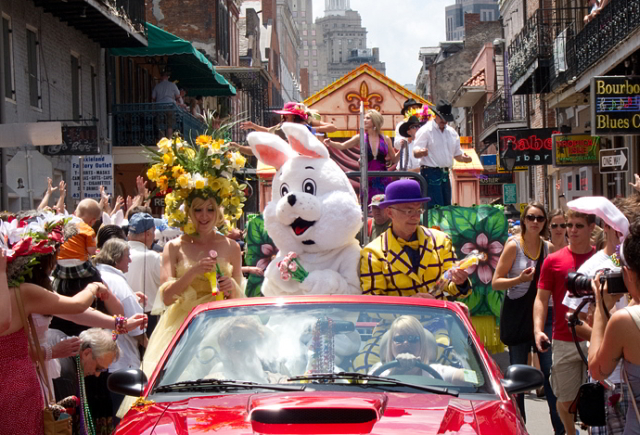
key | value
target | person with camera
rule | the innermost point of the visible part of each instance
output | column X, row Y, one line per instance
column 615, row 226
column 517, row 273
column 616, row 336
column 567, row 367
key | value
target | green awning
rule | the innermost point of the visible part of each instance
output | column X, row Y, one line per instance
column 188, row 66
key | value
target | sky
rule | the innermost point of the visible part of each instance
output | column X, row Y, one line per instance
column 399, row 28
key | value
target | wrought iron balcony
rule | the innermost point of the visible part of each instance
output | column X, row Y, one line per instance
column 615, row 22
column 110, row 23
column 146, row 123
column 531, row 51
column 503, row 111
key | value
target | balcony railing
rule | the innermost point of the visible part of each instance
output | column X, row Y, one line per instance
column 146, row 123
column 614, row 23
column 503, row 109
column 545, row 37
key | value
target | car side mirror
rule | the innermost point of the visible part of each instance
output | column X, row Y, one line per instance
column 129, row 382
column 520, row 378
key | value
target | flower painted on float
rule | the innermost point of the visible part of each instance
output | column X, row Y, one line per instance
column 493, row 251
column 269, row 252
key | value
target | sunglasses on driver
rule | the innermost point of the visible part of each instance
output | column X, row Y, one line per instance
column 554, row 226
column 408, row 338
column 532, row 217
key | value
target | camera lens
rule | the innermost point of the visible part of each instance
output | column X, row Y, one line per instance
column 578, row 284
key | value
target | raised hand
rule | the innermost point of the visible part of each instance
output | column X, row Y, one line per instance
column 50, row 188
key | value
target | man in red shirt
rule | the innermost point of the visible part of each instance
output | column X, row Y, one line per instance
column 568, row 371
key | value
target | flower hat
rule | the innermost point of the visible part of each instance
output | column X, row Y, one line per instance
column 25, row 238
column 185, row 170
column 293, row 108
column 424, row 114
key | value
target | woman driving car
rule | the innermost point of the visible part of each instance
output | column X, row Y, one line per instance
column 414, row 348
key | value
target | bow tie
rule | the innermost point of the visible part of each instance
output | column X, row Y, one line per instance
column 415, row 244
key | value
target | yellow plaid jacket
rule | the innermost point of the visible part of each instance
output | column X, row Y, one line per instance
column 385, row 269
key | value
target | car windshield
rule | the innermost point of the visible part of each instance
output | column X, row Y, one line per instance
column 333, row 345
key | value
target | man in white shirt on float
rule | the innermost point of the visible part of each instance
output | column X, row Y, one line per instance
column 146, row 264
column 436, row 145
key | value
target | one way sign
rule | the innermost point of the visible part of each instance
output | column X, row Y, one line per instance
column 615, row 160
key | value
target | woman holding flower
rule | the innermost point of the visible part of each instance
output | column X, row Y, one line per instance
column 204, row 195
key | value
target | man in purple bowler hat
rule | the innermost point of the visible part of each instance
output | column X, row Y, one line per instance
column 408, row 258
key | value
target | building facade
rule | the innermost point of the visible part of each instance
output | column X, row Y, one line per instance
column 488, row 10
column 54, row 70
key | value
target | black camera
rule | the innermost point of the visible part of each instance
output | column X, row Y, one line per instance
column 579, row 284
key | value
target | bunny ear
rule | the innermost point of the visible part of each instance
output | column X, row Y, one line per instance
column 118, row 218
column 270, row 149
column 106, row 219
column 304, row 142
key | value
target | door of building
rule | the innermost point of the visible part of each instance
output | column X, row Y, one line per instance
column 578, row 182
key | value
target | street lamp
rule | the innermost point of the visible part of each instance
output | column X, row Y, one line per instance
column 508, row 157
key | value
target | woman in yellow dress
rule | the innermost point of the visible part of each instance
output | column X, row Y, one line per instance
column 204, row 196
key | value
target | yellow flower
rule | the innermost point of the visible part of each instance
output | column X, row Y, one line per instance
column 164, row 145
column 227, row 190
column 190, row 153
column 216, row 147
column 177, row 170
column 189, row 228
column 152, row 174
column 215, row 184
column 237, row 160
column 225, row 202
column 168, row 158
column 217, row 163
column 177, row 216
column 169, row 199
column 235, row 201
column 198, row 181
column 238, row 214
column 184, row 179
column 163, row 183
column 203, row 140
column 183, row 193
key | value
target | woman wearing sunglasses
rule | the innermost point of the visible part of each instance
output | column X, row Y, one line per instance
column 517, row 273
column 557, row 230
column 409, row 343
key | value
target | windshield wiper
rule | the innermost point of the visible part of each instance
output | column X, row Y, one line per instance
column 365, row 377
column 224, row 384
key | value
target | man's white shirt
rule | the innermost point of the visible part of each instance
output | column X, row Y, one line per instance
column 443, row 146
column 117, row 283
column 144, row 271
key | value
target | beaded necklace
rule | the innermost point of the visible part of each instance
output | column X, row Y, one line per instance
column 85, row 413
column 524, row 248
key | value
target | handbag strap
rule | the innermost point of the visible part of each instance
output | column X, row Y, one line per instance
column 633, row 397
column 34, row 343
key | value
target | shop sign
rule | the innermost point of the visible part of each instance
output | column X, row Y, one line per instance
column 76, row 140
column 88, row 173
column 510, row 193
column 490, row 190
column 615, row 105
column 533, row 146
column 575, row 150
column 489, row 161
column 496, row 178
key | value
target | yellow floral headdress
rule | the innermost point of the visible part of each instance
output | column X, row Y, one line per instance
column 424, row 114
column 203, row 169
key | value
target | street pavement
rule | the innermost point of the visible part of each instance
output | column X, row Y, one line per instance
column 538, row 420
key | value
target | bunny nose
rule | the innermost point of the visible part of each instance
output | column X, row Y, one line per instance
column 291, row 199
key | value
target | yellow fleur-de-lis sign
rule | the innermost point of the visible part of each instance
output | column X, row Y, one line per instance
column 370, row 101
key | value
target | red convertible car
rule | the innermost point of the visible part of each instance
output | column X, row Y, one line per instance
column 325, row 365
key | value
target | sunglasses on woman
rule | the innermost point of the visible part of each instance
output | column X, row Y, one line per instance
column 554, row 226
column 408, row 338
column 578, row 226
column 532, row 217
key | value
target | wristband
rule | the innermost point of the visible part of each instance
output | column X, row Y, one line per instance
column 120, row 326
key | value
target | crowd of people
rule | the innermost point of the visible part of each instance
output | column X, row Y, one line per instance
column 89, row 293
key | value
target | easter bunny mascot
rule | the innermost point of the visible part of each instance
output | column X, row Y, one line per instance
column 313, row 212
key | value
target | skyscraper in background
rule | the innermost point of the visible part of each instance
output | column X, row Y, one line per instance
column 454, row 15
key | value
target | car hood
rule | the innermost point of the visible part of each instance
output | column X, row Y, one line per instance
column 324, row 413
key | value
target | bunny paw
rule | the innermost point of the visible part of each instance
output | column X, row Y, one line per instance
column 324, row 282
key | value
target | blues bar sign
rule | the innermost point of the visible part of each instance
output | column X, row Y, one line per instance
column 615, row 105
column 533, row 146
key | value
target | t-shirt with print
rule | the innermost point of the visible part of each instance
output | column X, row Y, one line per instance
column 552, row 278
column 76, row 248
